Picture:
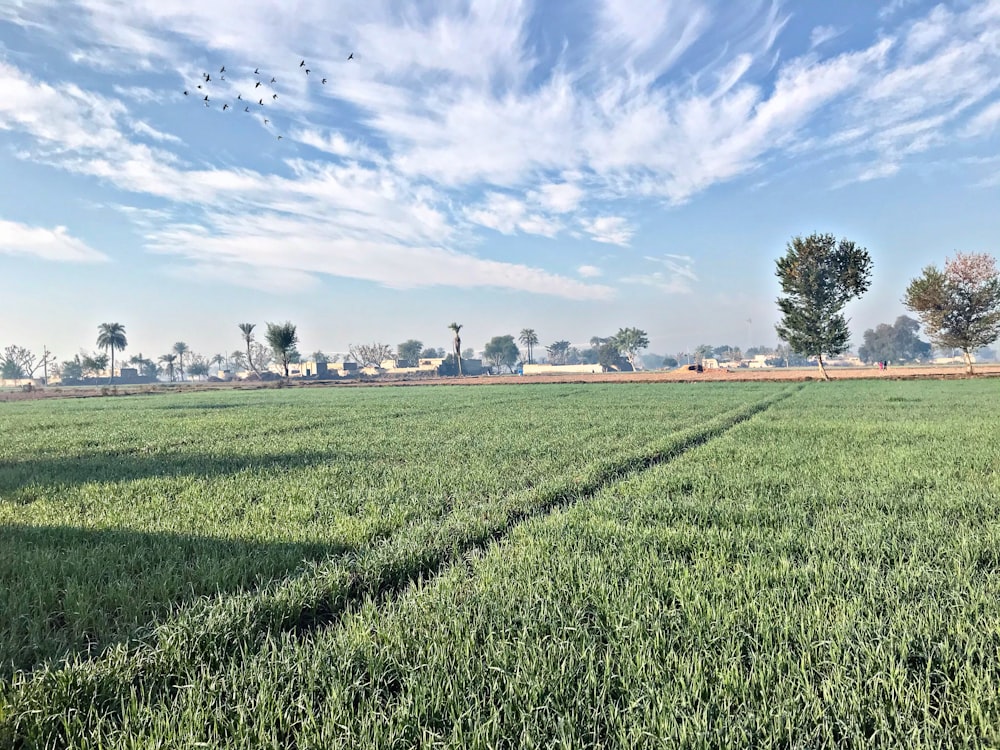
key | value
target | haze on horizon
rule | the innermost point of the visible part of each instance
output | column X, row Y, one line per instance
column 502, row 164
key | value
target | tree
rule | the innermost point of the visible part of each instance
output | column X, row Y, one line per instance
column 703, row 352
column 558, row 352
column 630, row 341
column 111, row 338
column 410, row 350
column 19, row 362
column 260, row 357
column 469, row 353
column 181, row 349
column 960, row 306
column 169, row 362
column 146, row 367
column 282, row 338
column 894, row 343
column 238, row 360
column 529, row 339
column 218, row 360
column 819, row 276
column 370, row 355
column 609, row 357
column 72, row 369
column 501, row 351
column 199, row 367
column 94, row 364
column 456, row 327
column 670, row 362
column 318, row 357
column 247, row 330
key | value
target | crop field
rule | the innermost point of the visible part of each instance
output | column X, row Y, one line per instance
column 597, row 565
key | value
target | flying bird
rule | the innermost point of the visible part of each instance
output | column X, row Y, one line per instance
column 246, row 109
column 323, row 81
column 206, row 98
column 308, row 71
column 261, row 102
column 257, row 84
column 274, row 96
column 280, row 137
column 302, row 64
column 266, row 121
column 185, row 93
column 350, row 56
column 256, row 71
column 272, row 80
column 239, row 96
column 225, row 107
column 207, row 78
column 222, row 69
column 222, row 77
column 199, row 85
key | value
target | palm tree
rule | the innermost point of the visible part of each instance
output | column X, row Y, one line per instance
column 239, row 361
column 180, row 349
column 218, row 360
column 247, row 329
column 111, row 337
column 529, row 338
column 456, row 327
column 168, row 360
column 282, row 340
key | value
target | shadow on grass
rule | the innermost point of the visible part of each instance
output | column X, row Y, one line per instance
column 126, row 466
column 67, row 591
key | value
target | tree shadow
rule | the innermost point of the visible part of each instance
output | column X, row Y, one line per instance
column 66, row 591
column 128, row 465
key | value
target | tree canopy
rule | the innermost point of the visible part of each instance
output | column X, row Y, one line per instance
column 111, row 338
column 370, row 355
column 630, row 341
column 282, row 338
column 502, row 351
column 819, row 275
column 894, row 343
column 529, row 339
column 959, row 306
column 410, row 350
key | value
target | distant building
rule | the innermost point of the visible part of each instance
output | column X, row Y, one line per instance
column 535, row 369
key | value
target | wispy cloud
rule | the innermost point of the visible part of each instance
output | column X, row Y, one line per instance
column 54, row 244
column 613, row 230
column 589, row 272
column 676, row 277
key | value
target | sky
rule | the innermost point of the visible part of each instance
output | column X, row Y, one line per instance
column 571, row 167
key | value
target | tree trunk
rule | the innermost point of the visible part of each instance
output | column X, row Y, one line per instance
column 968, row 361
column 111, row 376
column 822, row 369
column 458, row 355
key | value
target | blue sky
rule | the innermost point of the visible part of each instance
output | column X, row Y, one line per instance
column 570, row 167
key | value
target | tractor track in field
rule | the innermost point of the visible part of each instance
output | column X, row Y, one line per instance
column 383, row 577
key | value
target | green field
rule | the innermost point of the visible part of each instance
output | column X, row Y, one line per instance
column 646, row 565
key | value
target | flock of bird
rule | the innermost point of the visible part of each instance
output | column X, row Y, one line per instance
column 201, row 91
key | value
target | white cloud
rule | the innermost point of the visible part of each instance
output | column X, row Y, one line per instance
column 984, row 122
column 506, row 215
column 614, row 230
column 46, row 244
column 678, row 276
column 589, row 272
column 820, row 35
column 144, row 128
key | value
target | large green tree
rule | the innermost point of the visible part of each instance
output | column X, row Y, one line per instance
column 455, row 328
column 558, row 352
column 282, row 338
column 529, row 339
column 894, row 343
column 959, row 306
column 630, row 341
column 410, row 350
column 111, row 338
column 502, row 351
column 819, row 275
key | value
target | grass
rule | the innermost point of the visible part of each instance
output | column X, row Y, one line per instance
column 703, row 566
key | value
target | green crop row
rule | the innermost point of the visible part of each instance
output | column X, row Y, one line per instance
column 116, row 513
